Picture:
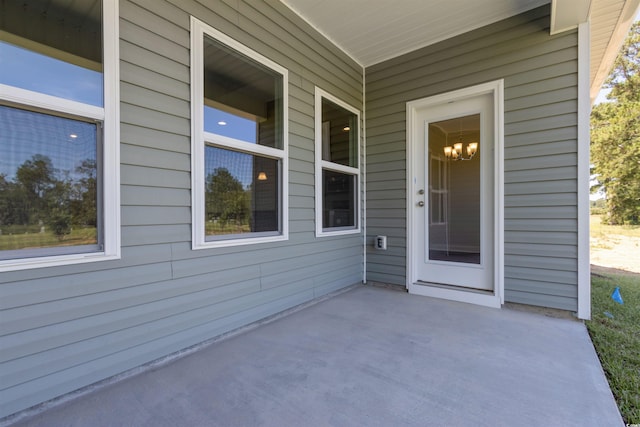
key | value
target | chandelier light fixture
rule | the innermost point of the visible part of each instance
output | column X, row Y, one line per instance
column 455, row 152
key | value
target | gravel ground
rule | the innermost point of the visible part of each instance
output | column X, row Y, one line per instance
column 616, row 252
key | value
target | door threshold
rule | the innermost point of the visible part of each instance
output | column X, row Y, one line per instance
column 454, row 287
column 456, row 293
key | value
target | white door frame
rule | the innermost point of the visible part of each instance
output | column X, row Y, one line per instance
column 492, row 299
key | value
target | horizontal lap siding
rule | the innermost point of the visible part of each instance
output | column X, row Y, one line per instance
column 540, row 74
column 67, row 327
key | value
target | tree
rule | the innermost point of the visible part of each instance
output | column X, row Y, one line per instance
column 36, row 174
column 36, row 177
column 226, row 199
column 60, row 222
column 624, row 79
column 615, row 136
column 57, row 212
column 85, row 200
column 8, row 212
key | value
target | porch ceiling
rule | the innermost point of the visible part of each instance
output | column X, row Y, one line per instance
column 372, row 31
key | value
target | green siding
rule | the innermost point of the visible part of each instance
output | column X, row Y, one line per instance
column 540, row 75
column 67, row 327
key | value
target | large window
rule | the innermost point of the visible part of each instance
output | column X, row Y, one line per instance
column 58, row 133
column 239, row 142
column 337, row 166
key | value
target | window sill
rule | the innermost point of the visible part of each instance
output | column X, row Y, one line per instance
column 55, row 261
column 338, row 232
column 238, row 242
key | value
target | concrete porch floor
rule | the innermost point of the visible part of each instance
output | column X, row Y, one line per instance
column 369, row 357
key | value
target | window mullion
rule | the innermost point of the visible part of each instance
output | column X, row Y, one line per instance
column 247, row 147
column 339, row 168
column 43, row 101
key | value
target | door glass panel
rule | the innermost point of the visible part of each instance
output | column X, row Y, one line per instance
column 454, row 190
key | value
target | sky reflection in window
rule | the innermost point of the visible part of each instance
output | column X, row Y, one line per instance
column 230, row 125
column 33, row 71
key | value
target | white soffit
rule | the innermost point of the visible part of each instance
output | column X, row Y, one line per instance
column 372, row 31
column 610, row 24
column 567, row 14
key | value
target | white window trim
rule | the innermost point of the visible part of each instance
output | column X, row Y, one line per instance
column 199, row 138
column 321, row 164
column 109, row 115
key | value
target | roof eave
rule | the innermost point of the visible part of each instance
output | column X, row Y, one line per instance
column 601, row 67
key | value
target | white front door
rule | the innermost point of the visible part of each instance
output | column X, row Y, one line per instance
column 453, row 195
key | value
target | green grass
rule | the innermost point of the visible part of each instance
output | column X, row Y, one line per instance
column 617, row 339
column 598, row 229
column 28, row 240
column 221, row 228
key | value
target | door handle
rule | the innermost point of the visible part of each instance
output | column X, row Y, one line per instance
column 421, row 203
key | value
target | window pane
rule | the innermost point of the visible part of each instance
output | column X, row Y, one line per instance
column 227, row 124
column 241, row 193
column 53, row 50
column 243, row 94
column 48, row 181
column 455, row 200
column 339, row 135
column 338, row 199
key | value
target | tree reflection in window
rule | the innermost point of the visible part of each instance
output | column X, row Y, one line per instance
column 48, row 181
column 241, row 193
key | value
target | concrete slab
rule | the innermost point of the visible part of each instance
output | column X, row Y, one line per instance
column 373, row 357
